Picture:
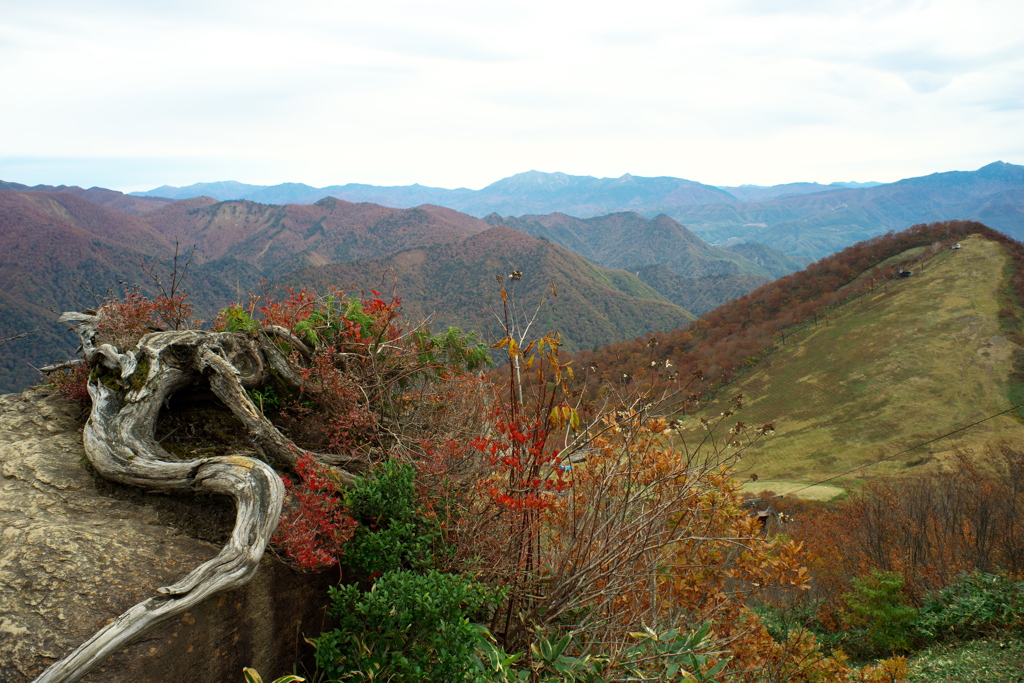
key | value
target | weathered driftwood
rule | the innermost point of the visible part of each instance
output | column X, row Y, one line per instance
column 128, row 391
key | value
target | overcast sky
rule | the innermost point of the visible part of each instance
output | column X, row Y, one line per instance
column 131, row 95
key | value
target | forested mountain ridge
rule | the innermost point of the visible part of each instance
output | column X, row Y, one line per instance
column 682, row 267
column 813, row 226
column 628, row 240
column 892, row 367
column 775, row 262
column 25, row 209
column 453, row 284
column 278, row 239
column 64, row 252
column 698, row 294
column 66, row 248
column 125, row 203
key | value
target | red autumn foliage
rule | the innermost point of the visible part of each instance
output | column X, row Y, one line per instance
column 525, row 471
column 330, row 413
column 297, row 306
column 315, row 525
column 128, row 319
column 71, row 383
column 123, row 322
column 928, row 529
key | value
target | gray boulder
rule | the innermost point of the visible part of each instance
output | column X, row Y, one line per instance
column 76, row 551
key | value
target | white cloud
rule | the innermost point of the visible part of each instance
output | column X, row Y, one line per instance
column 456, row 92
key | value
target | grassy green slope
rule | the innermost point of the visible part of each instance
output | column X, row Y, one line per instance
column 892, row 369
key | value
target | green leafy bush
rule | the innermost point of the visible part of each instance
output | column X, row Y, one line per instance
column 409, row 627
column 670, row 655
column 878, row 617
column 666, row 655
column 976, row 604
column 234, row 318
column 452, row 350
column 253, row 676
column 393, row 532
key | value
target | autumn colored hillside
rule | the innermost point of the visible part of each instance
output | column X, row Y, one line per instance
column 454, row 284
column 64, row 250
column 279, row 239
column 53, row 241
column 112, row 199
column 699, row 294
column 737, row 335
column 68, row 251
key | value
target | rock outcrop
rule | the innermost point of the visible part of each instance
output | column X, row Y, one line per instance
column 76, row 551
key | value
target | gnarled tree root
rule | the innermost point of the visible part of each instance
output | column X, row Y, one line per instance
column 128, row 391
column 258, row 492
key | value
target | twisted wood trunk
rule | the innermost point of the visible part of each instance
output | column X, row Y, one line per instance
column 128, row 391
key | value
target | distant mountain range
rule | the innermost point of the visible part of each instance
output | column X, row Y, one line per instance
column 804, row 220
column 61, row 248
column 112, row 199
column 812, row 226
column 533, row 191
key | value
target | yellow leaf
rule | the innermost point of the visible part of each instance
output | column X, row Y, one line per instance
column 554, row 417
